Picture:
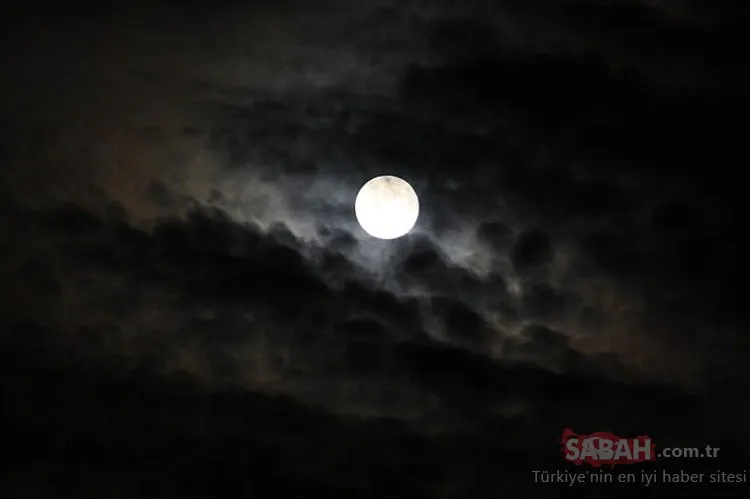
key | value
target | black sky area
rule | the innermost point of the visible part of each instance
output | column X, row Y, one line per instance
column 189, row 309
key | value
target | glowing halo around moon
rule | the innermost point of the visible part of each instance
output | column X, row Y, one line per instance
column 386, row 207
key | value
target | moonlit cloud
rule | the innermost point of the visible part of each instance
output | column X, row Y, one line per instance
column 177, row 206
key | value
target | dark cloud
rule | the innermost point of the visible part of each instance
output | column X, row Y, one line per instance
column 544, row 343
column 532, row 249
column 188, row 302
column 496, row 235
column 464, row 326
column 547, row 303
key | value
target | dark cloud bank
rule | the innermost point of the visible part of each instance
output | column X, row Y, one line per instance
column 190, row 310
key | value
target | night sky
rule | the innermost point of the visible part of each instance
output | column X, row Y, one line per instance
column 189, row 309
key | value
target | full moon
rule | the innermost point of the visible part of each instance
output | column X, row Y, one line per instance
column 387, row 207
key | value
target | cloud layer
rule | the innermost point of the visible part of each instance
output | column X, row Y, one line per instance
column 178, row 194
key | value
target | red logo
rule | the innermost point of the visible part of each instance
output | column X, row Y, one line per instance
column 604, row 448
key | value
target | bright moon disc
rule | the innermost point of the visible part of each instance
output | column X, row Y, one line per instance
column 387, row 207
